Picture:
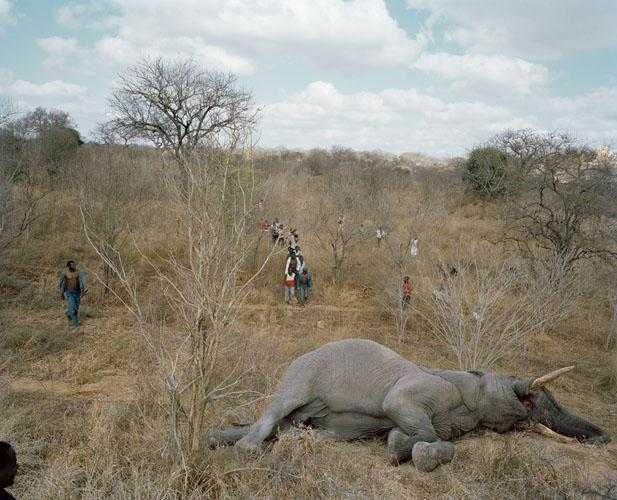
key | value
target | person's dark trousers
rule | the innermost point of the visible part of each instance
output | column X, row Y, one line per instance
column 72, row 306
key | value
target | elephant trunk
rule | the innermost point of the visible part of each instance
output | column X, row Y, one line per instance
column 547, row 411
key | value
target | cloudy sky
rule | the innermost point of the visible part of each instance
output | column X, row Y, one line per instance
column 430, row 76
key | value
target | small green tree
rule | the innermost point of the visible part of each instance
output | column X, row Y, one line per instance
column 485, row 171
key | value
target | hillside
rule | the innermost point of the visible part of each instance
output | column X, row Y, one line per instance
column 88, row 409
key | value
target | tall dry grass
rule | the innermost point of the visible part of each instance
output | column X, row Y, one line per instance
column 90, row 411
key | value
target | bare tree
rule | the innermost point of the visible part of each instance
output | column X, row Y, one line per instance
column 112, row 190
column 486, row 311
column 179, row 106
column 399, row 264
column 204, row 282
column 110, row 133
column 19, row 208
column 20, row 196
column 566, row 206
column 40, row 121
column 8, row 110
column 340, row 220
column 40, row 138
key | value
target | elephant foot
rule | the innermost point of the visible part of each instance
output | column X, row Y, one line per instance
column 248, row 445
column 399, row 446
column 428, row 456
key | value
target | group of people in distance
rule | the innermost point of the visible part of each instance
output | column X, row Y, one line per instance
column 297, row 282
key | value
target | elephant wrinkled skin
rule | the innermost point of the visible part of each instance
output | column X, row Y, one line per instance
column 353, row 389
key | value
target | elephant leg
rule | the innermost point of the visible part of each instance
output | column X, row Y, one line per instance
column 266, row 427
column 426, row 455
column 400, row 446
column 415, row 437
column 226, row 437
column 346, row 426
column 231, row 435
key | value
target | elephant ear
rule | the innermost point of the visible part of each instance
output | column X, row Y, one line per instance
column 467, row 384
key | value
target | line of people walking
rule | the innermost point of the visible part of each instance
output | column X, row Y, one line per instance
column 298, row 282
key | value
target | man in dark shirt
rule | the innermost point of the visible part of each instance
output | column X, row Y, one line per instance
column 72, row 286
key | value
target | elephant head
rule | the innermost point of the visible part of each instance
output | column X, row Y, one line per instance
column 504, row 402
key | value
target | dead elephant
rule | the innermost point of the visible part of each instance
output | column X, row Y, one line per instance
column 354, row 389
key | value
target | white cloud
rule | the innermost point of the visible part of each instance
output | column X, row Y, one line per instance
column 526, row 28
column 395, row 120
column 87, row 109
column 58, row 45
column 481, row 74
column 59, row 50
column 410, row 120
column 91, row 14
column 592, row 116
column 56, row 88
column 237, row 34
column 121, row 51
column 6, row 15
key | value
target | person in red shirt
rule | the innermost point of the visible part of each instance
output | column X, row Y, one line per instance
column 406, row 290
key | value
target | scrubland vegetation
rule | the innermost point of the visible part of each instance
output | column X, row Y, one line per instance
column 185, row 329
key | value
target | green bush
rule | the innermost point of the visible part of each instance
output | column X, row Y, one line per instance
column 485, row 171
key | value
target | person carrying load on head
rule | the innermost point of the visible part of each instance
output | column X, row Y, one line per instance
column 300, row 258
column 292, row 263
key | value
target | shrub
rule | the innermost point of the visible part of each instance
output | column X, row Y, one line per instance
column 485, row 171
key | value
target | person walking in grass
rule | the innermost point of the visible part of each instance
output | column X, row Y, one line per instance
column 304, row 286
column 72, row 287
column 291, row 270
column 8, row 469
column 290, row 287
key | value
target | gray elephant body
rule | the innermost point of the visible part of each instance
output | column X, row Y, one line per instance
column 354, row 389
column 341, row 384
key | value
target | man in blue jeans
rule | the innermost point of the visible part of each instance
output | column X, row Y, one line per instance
column 304, row 284
column 72, row 286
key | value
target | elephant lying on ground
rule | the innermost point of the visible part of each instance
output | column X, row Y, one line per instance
column 355, row 389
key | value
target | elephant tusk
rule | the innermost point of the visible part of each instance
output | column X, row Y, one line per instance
column 542, row 381
column 545, row 431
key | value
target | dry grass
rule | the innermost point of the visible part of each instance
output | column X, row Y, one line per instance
column 87, row 425
column 89, row 418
